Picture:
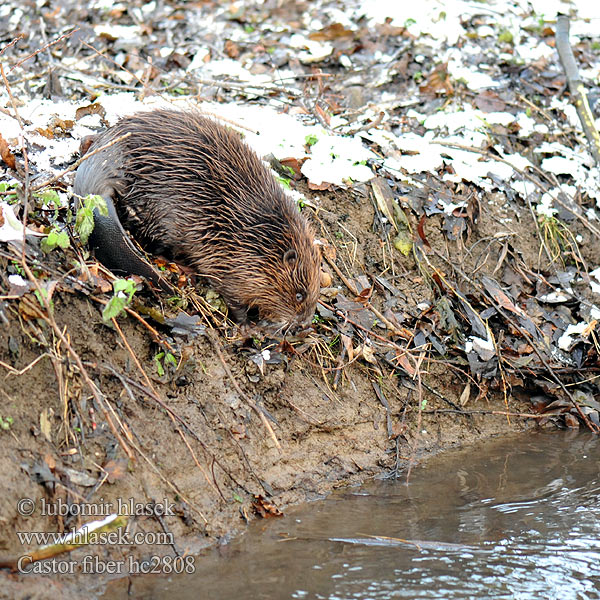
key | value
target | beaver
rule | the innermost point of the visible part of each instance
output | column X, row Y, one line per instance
column 190, row 189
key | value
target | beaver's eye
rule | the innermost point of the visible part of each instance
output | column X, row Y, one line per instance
column 299, row 297
column 290, row 257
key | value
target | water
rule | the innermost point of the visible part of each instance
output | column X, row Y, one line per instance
column 517, row 518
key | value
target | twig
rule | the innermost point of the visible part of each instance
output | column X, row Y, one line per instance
column 12, row 43
column 576, row 87
column 79, row 161
column 62, row 37
column 13, row 371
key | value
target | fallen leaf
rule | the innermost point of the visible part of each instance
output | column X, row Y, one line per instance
column 331, row 32
column 464, row 397
column 265, row 509
column 7, row 156
column 90, row 109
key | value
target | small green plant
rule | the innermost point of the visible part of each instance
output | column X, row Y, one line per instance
column 409, row 22
column 418, row 76
column 84, row 220
column 285, row 182
column 505, row 36
column 123, row 291
column 310, row 140
column 56, row 239
column 48, row 197
column 41, row 295
column 18, row 268
column 162, row 359
column 10, row 198
column 6, row 423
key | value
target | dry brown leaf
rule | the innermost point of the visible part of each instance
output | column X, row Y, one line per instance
column 7, row 156
column 325, row 116
column 347, row 341
column 265, row 509
column 466, row 394
column 438, row 82
column 367, row 353
column 331, row 32
column 489, row 101
column 329, row 252
column 384, row 198
column 571, row 421
column 46, row 132
column 90, row 109
column 294, row 164
column 49, row 460
column 405, row 363
column 319, row 186
column 231, row 49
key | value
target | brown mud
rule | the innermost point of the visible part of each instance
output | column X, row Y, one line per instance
column 212, row 462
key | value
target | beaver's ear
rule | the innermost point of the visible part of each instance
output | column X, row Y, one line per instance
column 290, row 257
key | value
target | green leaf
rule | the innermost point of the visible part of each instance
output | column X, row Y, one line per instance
column 55, row 239
column 114, row 308
column 159, row 368
column 95, row 201
column 505, row 36
column 170, row 359
column 127, row 286
column 49, row 197
column 5, row 187
column 285, row 182
column 310, row 140
column 6, row 423
column 123, row 294
column 84, row 221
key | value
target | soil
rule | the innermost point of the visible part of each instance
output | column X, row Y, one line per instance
column 213, row 468
column 174, row 406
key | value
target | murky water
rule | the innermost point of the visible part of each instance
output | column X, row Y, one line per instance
column 517, row 518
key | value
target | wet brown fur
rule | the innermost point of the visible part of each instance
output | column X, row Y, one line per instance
column 191, row 189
